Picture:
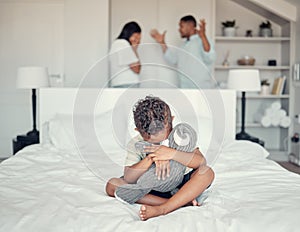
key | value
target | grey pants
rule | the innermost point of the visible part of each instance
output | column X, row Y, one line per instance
column 182, row 133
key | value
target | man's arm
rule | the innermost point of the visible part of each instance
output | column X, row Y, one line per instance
column 202, row 35
column 159, row 38
column 169, row 54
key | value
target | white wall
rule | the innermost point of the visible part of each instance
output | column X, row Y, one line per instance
column 86, row 42
column 67, row 36
column 31, row 34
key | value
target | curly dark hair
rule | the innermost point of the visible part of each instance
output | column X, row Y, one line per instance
column 151, row 115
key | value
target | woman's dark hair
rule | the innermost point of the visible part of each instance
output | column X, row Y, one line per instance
column 128, row 30
column 189, row 18
column 151, row 115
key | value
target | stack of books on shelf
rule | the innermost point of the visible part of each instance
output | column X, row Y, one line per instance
column 278, row 86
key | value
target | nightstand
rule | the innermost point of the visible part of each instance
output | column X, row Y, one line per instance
column 22, row 141
column 2, row 159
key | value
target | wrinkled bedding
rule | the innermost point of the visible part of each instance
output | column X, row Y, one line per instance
column 43, row 188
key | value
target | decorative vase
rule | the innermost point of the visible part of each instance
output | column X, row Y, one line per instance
column 229, row 31
column 265, row 90
column 265, row 32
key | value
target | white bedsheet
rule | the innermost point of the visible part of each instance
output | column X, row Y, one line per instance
column 44, row 189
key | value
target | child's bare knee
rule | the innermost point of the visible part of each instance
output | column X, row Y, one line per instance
column 210, row 174
column 111, row 187
column 204, row 170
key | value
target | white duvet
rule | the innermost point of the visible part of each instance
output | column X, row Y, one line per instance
column 44, row 189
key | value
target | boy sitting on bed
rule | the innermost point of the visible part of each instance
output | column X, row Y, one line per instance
column 182, row 138
column 147, row 112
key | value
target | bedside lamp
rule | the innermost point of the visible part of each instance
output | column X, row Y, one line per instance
column 32, row 78
column 244, row 80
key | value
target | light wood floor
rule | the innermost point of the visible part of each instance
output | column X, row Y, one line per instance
column 291, row 167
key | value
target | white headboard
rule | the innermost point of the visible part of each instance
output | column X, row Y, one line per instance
column 220, row 105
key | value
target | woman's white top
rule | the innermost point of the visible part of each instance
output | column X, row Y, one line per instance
column 121, row 55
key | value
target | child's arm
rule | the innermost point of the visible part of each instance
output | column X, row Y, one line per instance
column 162, row 167
column 193, row 159
column 133, row 172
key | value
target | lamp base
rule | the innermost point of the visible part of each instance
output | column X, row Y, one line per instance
column 33, row 133
column 244, row 136
column 32, row 136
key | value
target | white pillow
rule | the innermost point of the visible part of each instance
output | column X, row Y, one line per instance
column 244, row 150
column 60, row 131
column 111, row 131
column 86, row 132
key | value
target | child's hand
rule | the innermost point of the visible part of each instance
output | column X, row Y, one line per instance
column 159, row 152
column 161, row 155
column 162, row 169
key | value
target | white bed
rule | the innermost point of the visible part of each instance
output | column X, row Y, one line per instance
column 59, row 186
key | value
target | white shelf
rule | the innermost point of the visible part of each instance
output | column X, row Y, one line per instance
column 258, row 125
column 283, row 96
column 252, row 124
column 279, row 47
column 260, row 67
column 254, row 39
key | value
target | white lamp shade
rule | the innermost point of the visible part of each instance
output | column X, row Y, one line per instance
column 32, row 77
column 245, row 80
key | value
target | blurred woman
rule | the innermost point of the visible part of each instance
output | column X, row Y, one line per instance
column 124, row 60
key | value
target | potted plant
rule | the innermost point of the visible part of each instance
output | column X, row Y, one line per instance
column 265, row 29
column 265, row 87
column 229, row 28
